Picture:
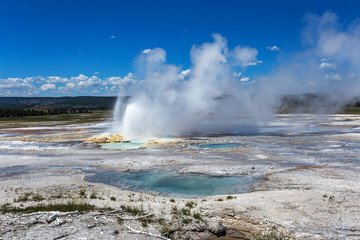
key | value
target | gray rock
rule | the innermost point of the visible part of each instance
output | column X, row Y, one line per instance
column 216, row 228
column 198, row 227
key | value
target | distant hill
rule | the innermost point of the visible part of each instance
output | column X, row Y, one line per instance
column 82, row 102
column 307, row 102
column 316, row 102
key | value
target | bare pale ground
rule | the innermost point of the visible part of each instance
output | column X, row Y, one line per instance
column 308, row 185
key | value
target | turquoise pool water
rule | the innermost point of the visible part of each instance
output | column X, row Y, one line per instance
column 218, row 145
column 172, row 183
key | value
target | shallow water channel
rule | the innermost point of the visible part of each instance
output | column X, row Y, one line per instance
column 217, row 145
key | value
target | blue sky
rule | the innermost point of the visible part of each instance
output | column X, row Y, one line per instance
column 98, row 42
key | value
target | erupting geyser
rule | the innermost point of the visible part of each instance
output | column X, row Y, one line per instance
column 206, row 99
column 210, row 99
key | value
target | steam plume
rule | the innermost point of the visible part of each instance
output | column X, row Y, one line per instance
column 208, row 99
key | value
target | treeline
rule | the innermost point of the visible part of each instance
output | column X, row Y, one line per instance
column 17, row 107
column 16, row 113
column 59, row 102
column 316, row 102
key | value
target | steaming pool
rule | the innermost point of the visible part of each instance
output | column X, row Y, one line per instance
column 172, row 183
column 165, row 183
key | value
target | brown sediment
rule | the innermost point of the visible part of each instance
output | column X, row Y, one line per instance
column 162, row 142
column 313, row 166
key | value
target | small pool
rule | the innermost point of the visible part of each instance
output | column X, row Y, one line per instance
column 172, row 183
column 122, row 145
column 218, row 145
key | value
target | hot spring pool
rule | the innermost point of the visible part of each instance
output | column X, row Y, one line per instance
column 122, row 145
column 217, row 145
column 172, row 183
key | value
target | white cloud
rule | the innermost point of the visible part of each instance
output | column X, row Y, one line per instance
column 273, row 48
column 254, row 63
column 49, row 79
column 327, row 66
column 330, row 51
column 153, row 57
column 146, row 51
column 18, row 86
column 185, row 74
column 333, row 41
column 333, row 76
column 55, row 79
column 48, row 86
column 246, row 56
column 70, row 85
column 237, row 74
column 93, row 81
column 81, row 77
column 112, row 37
column 116, row 82
column 244, row 79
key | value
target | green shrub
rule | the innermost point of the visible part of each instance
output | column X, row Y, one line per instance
column 187, row 220
column 190, row 204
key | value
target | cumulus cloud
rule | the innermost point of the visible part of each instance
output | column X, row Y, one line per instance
column 273, row 48
column 47, row 87
column 18, row 87
column 333, row 76
column 81, row 77
column 71, row 86
column 241, row 78
column 116, row 84
column 327, row 66
column 56, row 79
column 146, row 51
column 185, row 74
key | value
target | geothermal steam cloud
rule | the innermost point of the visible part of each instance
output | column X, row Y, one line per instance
column 207, row 99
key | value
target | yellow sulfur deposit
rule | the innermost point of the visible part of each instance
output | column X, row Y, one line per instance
column 112, row 138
